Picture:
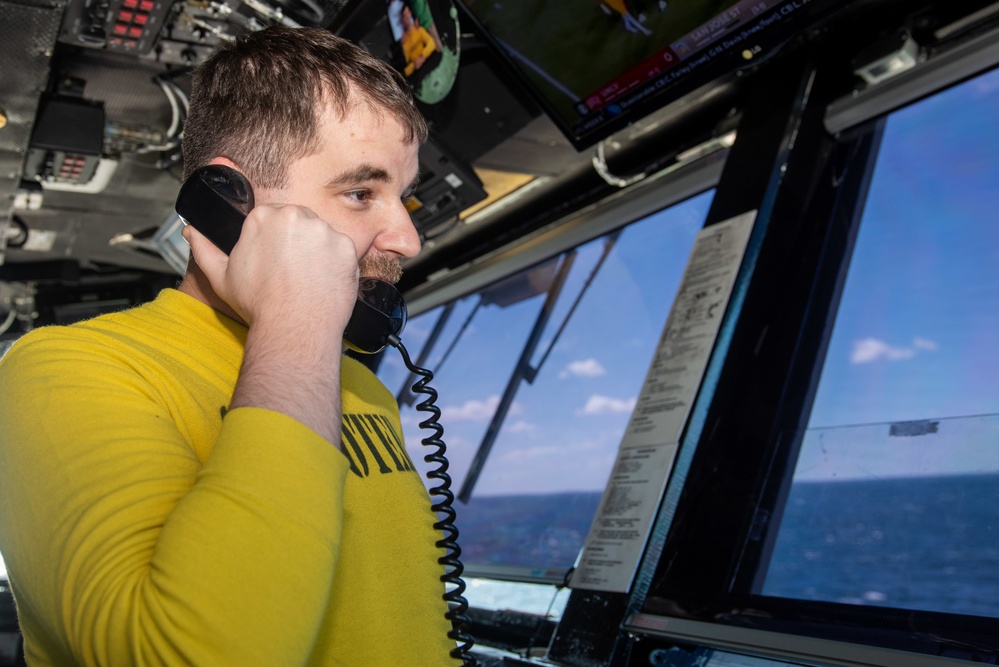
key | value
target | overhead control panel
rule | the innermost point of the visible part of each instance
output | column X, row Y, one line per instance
column 123, row 26
column 176, row 33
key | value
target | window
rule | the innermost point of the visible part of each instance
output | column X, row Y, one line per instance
column 836, row 495
column 895, row 495
column 537, row 375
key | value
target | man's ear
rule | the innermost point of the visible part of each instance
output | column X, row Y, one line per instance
column 226, row 162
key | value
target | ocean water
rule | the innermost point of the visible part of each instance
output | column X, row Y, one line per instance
column 538, row 531
column 928, row 544
column 531, row 533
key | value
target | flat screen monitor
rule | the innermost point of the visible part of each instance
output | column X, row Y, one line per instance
column 599, row 65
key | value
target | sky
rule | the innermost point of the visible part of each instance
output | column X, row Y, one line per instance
column 914, row 337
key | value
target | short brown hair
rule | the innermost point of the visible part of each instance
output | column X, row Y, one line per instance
column 257, row 100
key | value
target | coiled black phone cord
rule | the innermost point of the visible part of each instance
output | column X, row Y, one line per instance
column 457, row 604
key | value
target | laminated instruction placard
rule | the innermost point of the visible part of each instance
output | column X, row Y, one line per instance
column 620, row 530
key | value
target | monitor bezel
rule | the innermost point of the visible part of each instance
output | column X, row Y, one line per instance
column 723, row 68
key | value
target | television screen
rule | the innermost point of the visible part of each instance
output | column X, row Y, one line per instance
column 597, row 66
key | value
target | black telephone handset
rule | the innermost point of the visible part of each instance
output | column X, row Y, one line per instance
column 216, row 199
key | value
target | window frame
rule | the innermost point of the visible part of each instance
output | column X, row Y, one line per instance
column 704, row 593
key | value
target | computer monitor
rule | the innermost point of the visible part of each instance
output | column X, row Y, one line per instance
column 595, row 67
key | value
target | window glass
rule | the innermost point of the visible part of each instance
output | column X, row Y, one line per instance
column 546, row 366
column 531, row 598
column 895, row 495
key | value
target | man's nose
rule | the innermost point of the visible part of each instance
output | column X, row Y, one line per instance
column 400, row 236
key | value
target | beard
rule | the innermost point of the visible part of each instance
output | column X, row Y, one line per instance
column 382, row 267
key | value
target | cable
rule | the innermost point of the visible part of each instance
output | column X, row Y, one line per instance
column 174, row 107
column 306, row 11
column 18, row 238
column 457, row 604
column 179, row 92
column 450, row 227
column 10, row 320
column 600, row 165
column 177, row 98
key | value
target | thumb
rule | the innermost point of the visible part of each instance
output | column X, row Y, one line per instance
column 213, row 262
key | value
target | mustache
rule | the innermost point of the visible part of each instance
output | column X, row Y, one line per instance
column 382, row 267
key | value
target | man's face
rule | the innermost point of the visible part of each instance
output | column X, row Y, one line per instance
column 357, row 182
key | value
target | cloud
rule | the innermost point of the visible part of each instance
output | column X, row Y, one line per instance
column 605, row 405
column 589, row 368
column 471, row 410
column 520, row 427
column 474, row 410
column 870, row 350
column 584, row 450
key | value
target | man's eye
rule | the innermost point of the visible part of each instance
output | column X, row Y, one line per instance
column 360, row 196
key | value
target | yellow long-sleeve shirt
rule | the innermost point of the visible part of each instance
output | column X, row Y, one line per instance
column 140, row 527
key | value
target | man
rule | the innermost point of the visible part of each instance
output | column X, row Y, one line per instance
column 177, row 484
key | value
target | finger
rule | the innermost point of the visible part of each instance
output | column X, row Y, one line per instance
column 207, row 255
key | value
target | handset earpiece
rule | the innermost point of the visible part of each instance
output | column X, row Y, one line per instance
column 216, row 199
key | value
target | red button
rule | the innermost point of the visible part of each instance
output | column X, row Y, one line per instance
column 135, row 32
column 146, row 5
column 141, row 19
column 125, row 16
column 120, row 28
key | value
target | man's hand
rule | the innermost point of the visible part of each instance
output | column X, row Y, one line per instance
column 288, row 264
column 293, row 280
